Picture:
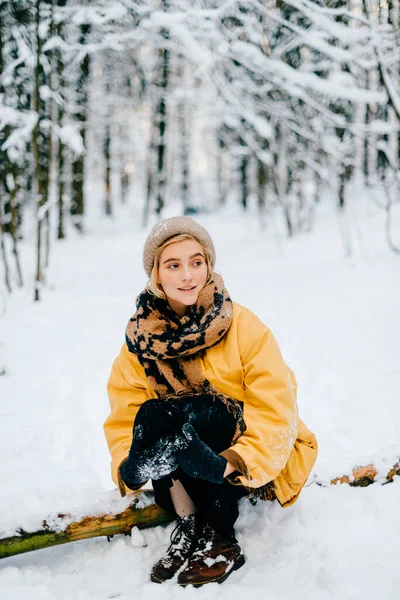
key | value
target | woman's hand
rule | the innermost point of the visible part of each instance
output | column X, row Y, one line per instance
column 229, row 469
column 198, row 460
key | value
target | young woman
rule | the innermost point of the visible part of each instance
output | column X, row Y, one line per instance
column 202, row 404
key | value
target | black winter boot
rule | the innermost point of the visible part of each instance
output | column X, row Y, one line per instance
column 183, row 541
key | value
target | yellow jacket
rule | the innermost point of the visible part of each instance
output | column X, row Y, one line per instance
column 246, row 365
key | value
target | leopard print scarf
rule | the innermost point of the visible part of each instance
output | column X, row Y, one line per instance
column 168, row 347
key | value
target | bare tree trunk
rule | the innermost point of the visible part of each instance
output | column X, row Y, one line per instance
column 124, row 184
column 14, row 233
column 288, row 218
column 107, row 158
column 221, row 173
column 60, row 145
column 150, row 177
column 3, row 249
column 366, row 138
column 49, row 149
column 344, row 177
column 391, row 13
column 107, row 148
column 261, row 186
column 185, row 148
column 300, row 203
column 77, row 192
column 394, row 21
column 388, row 228
column 124, row 169
column 78, row 165
column 341, row 190
column 61, row 184
column 161, row 179
column 149, row 187
column 41, row 142
column 8, row 189
column 243, row 181
column 10, row 210
column 281, row 177
column 383, row 72
column 3, row 308
column 40, row 197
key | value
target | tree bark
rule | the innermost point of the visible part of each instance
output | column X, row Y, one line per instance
column 41, row 143
column 367, row 120
column 78, row 165
column 88, row 527
column 107, row 151
column 150, row 175
column 223, row 185
column 36, row 152
column 385, row 78
column 9, row 209
column 364, row 476
column 243, row 181
column 14, row 228
column 185, row 149
column 262, row 178
column 161, row 181
column 49, row 141
column 60, row 145
column 124, row 169
column 3, row 250
column 61, row 184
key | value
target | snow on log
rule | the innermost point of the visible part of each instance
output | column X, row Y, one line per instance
column 364, row 476
column 135, row 515
column 88, row 527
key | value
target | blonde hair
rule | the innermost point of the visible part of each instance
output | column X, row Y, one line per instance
column 153, row 286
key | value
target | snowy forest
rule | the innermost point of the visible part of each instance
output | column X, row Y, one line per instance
column 266, row 102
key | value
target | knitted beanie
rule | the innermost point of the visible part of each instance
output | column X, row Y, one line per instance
column 168, row 228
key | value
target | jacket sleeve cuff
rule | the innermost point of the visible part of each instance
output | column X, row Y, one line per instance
column 240, row 466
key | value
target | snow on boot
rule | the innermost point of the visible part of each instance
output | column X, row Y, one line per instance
column 213, row 560
column 183, row 541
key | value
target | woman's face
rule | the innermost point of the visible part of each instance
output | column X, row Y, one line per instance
column 182, row 274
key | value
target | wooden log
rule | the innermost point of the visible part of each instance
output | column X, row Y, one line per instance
column 88, row 527
column 364, row 476
column 134, row 516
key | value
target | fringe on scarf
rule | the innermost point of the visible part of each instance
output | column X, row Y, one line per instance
column 265, row 492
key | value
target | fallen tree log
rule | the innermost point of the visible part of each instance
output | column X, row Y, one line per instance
column 364, row 476
column 88, row 527
column 135, row 515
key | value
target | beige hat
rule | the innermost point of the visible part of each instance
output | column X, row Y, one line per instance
column 168, row 228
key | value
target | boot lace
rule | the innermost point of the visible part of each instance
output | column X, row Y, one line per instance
column 182, row 536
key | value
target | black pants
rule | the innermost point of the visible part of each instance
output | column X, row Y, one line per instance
column 216, row 504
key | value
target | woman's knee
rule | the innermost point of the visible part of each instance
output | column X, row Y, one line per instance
column 158, row 417
column 148, row 409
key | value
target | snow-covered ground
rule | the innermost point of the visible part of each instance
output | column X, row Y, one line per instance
column 337, row 320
